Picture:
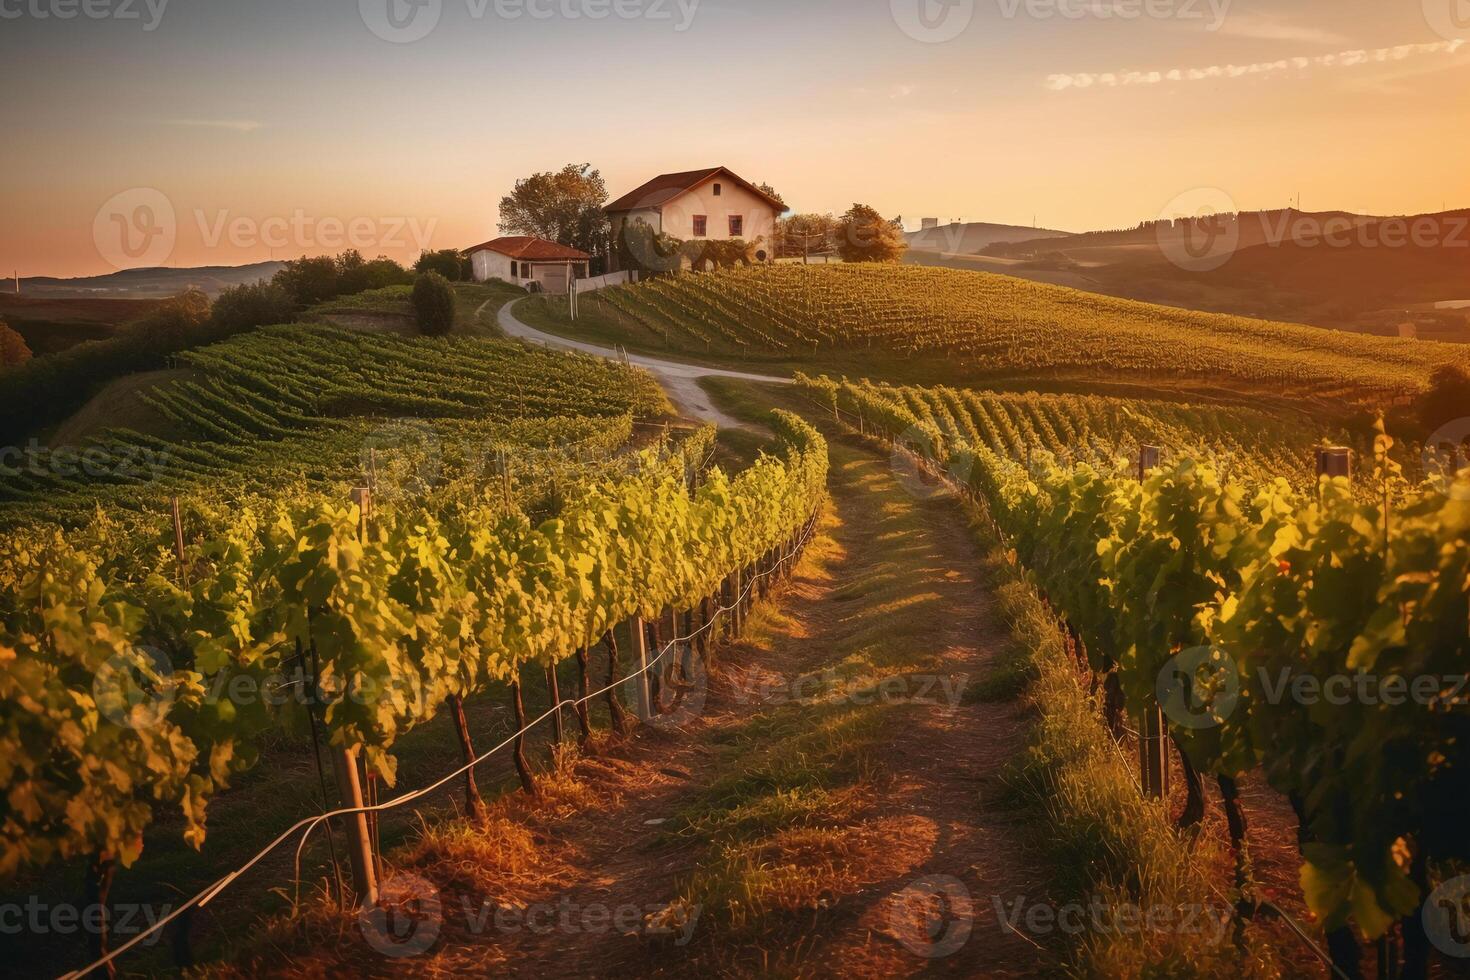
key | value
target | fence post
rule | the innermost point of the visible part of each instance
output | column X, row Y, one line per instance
column 642, row 698
column 1153, row 744
column 359, row 840
column 1335, row 461
column 179, row 542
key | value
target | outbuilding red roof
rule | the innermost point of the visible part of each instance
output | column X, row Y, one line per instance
column 664, row 188
column 525, row 247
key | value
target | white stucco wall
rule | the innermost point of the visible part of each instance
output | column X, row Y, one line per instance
column 760, row 217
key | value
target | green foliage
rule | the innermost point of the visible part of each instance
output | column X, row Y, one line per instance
column 449, row 263
column 436, row 599
column 309, row 280
column 864, row 235
column 247, row 306
column 641, row 249
column 1270, row 584
column 433, row 304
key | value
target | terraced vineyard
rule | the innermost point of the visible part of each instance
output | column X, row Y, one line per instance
column 292, row 407
column 993, row 326
column 1241, row 443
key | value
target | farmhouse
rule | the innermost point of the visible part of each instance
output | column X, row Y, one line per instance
column 523, row 260
column 701, row 204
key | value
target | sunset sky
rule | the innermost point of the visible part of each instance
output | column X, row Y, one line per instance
column 236, row 113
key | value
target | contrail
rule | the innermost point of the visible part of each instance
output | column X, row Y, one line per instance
column 1343, row 59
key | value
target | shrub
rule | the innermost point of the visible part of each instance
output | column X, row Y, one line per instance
column 383, row 272
column 446, row 262
column 310, row 281
column 433, row 304
column 245, row 307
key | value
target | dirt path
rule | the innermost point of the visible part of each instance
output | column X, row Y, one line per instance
column 680, row 380
column 838, row 774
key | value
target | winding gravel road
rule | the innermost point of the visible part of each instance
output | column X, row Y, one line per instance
column 681, row 381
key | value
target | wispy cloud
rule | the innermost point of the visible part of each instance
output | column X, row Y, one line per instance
column 1342, row 59
column 1272, row 27
column 235, row 125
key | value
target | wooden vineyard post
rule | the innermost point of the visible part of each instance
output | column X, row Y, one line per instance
column 179, row 541
column 359, row 840
column 363, row 498
column 1153, row 743
column 553, row 691
column 642, row 697
column 1335, row 461
column 737, row 621
column 349, row 786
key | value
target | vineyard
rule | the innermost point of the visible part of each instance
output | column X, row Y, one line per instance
column 349, row 623
column 985, row 326
column 298, row 407
column 1200, row 593
column 1251, row 446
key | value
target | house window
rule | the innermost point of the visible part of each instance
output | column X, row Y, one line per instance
column 737, row 225
column 717, row 190
column 701, row 225
column 515, row 272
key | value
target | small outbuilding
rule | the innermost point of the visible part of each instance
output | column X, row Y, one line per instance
column 523, row 260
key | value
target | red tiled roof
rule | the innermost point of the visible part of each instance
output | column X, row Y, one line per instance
column 535, row 249
column 664, row 188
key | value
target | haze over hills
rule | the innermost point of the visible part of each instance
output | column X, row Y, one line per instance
column 974, row 236
column 1338, row 269
column 148, row 283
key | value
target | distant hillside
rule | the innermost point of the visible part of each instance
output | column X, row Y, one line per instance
column 973, row 236
column 50, row 324
column 155, row 283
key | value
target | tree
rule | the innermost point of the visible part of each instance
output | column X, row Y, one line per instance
column 864, row 235
column 251, row 305
column 805, row 234
column 433, row 304
column 447, row 262
column 382, row 272
column 768, row 189
column 14, row 351
column 308, row 281
column 564, row 207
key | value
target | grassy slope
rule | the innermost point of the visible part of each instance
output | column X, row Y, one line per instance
column 964, row 327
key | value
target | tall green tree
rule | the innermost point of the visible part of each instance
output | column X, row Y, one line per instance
column 864, row 235
column 564, row 206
